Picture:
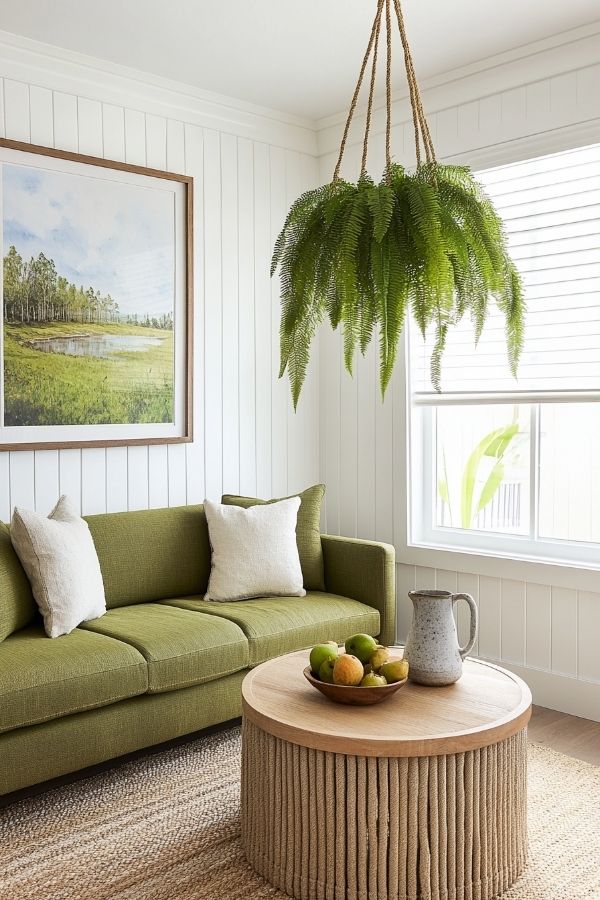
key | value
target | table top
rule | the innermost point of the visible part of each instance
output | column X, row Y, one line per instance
column 487, row 705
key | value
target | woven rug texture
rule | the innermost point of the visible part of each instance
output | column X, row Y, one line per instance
column 166, row 827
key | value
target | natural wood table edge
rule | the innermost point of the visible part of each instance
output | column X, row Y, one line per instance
column 290, row 727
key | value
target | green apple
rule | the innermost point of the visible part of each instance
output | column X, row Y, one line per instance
column 373, row 680
column 326, row 670
column 320, row 653
column 362, row 646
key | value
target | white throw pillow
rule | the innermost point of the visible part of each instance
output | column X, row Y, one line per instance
column 60, row 559
column 254, row 551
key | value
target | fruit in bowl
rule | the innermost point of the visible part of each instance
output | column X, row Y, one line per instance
column 361, row 672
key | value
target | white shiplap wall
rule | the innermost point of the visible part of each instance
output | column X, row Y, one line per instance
column 542, row 623
column 247, row 168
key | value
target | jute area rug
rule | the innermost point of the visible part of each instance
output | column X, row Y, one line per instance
column 167, row 826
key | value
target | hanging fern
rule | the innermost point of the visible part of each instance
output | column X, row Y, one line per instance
column 427, row 243
column 363, row 255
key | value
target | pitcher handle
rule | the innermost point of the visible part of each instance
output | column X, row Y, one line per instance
column 473, row 628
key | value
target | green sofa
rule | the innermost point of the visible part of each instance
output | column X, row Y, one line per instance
column 162, row 662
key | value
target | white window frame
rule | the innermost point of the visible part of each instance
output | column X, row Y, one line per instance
column 563, row 563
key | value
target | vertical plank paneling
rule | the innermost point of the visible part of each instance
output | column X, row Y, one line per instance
column 117, row 498
column 175, row 146
column 405, row 582
column 113, row 131
column 89, row 123
column 538, row 636
column 135, row 137
column 425, row 578
column 490, row 618
column 69, row 475
column 177, row 475
column 194, row 452
column 5, row 505
column 16, row 110
column 156, row 142
column 247, row 346
column 262, row 317
column 446, row 580
column 137, row 478
column 230, row 282
column 588, row 657
column 22, row 479
column 41, row 116
column 280, row 391
column 66, row 135
column 93, row 481
column 158, row 476
column 564, row 631
column 512, row 594
column 367, row 398
column 46, row 480
column 213, row 392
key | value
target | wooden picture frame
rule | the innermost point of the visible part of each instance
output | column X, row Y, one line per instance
column 167, row 202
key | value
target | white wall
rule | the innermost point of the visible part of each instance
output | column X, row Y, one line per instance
column 541, row 621
column 248, row 166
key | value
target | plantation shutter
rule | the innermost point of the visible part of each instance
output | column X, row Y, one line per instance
column 551, row 210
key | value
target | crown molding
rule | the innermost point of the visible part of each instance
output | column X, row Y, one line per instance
column 569, row 51
column 37, row 63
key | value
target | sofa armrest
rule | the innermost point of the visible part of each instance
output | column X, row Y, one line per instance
column 364, row 571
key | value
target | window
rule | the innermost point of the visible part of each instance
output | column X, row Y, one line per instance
column 511, row 467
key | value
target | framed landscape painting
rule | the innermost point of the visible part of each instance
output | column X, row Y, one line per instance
column 96, row 340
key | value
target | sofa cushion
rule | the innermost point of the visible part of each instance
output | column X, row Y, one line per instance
column 308, row 531
column 180, row 647
column 150, row 554
column 277, row 625
column 42, row 679
column 17, row 606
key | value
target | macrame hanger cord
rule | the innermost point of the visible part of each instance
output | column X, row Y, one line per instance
column 388, row 92
column 336, row 173
column 422, row 133
column 363, row 165
column 421, row 126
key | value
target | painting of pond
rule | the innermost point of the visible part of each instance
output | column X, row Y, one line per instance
column 102, row 346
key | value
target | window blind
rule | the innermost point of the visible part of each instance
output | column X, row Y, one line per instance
column 551, row 210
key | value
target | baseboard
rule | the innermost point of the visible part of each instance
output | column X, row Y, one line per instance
column 563, row 693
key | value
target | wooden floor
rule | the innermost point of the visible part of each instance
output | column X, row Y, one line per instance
column 570, row 735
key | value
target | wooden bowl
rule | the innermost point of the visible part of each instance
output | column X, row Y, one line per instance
column 355, row 696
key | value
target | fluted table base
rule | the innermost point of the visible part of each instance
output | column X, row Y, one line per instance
column 328, row 826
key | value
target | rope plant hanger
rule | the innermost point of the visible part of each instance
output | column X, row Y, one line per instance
column 428, row 242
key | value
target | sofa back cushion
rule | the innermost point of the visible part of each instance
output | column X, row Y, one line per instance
column 17, row 606
column 152, row 554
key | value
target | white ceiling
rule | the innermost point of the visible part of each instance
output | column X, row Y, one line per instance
column 299, row 57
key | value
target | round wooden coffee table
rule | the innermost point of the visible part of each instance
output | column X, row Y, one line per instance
column 422, row 797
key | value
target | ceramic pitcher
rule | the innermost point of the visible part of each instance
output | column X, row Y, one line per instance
column 432, row 649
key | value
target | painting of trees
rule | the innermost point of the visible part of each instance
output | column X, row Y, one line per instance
column 34, row 293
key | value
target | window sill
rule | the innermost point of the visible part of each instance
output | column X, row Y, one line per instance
column 500, row 564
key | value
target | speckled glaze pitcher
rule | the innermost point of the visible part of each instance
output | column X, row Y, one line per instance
column 432, row 649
